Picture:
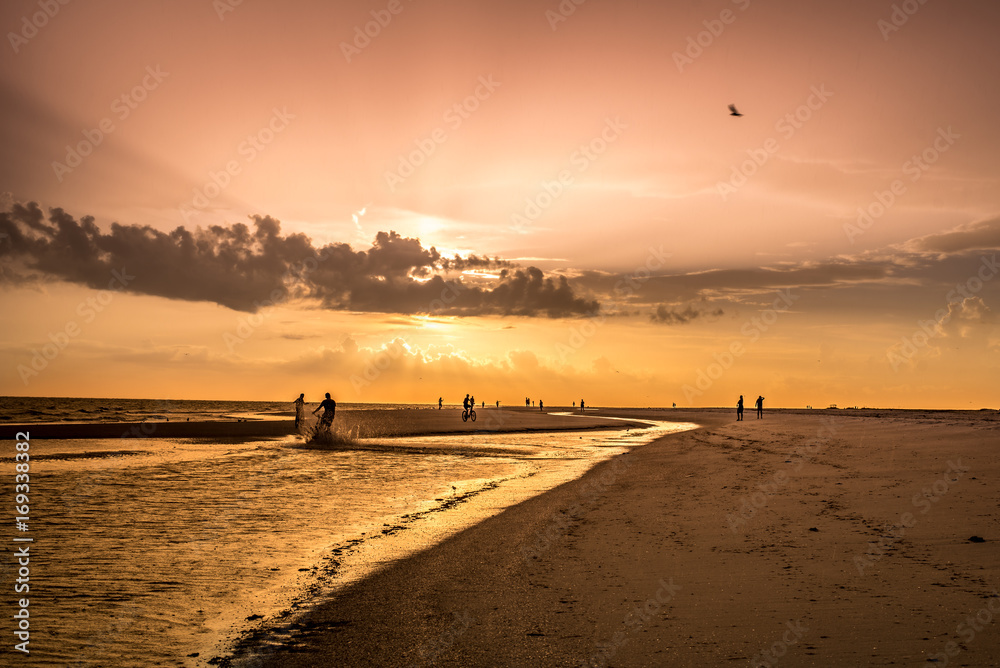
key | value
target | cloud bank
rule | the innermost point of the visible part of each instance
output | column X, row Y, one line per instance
column 244, row 268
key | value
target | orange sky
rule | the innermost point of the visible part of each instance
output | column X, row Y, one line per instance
column 507, row 199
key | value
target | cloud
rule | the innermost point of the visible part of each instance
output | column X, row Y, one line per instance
column 980, row 235
column 674, row 317
column 246, row 269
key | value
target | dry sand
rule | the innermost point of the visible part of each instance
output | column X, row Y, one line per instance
column 829, row 538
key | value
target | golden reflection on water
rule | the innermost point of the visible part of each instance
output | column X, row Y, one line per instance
column 152, row 557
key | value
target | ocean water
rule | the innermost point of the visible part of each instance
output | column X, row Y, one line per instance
column 164, row 552
column 63, row 409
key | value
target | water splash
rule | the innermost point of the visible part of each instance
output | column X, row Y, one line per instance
column 314, row 436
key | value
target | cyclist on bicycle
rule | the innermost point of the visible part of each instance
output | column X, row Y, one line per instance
column 465, row 402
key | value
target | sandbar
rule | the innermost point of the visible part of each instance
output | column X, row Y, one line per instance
column 807, row 538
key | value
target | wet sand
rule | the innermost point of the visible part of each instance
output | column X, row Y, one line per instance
column 361, row 423
column 804, row 539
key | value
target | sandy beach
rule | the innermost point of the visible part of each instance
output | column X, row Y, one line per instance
column 822, row 538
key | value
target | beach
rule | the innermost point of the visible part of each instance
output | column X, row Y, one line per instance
column 807, row 538
column 168, row 542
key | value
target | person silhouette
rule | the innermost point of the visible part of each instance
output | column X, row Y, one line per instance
column 440, row 402
column 581, row 405
column 329, row 407
column 540, row 406
column 760, row 407
column 739, row 408
column 465, row 402
column 300, row 410
column 527, row 402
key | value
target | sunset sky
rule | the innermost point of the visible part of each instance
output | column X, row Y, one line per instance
column 404, row 199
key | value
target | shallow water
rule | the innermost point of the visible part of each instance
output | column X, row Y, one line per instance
column 157, row 551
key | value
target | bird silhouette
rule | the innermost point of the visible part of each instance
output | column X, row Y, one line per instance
column 733, row 112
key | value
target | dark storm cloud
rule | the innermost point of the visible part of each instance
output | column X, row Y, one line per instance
column 233, row 266
column 243, row 268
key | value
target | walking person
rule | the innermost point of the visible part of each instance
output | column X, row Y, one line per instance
column 739, row 409
column 300, row 410
column 760, row 407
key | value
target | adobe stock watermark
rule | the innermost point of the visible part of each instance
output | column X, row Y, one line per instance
column 430, row 651
column 366, row 33
column 121, row 108
column 914, row 168
column 904, row 351
column 589, row 491
column 223, row 7
column 247, row 152
column 581, row 159
column 901, row 13
column 30, row 25
column 88, row 310
column 967, row 630
column 923, row 500
column 634, row 621
column 384, row 358
column 752, row 330
column 563, row 11
column 249, row 324
column 753, row 502
column 380, row 361
column 623, row 289
column 771, row 655
column 696, row 44
column 786, row 126
column 454, row 117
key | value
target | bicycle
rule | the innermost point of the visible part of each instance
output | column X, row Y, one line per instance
column 469, row 413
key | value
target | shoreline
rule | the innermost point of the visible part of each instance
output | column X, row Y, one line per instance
column 652, row 558
column 362, row 423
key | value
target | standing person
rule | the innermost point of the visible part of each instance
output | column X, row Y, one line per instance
column 440, row 402
column 472, row 402
column 739, row 409
column 581, row 405
column 300, row 410
column 540, row 404
column 760, row 407
column 329, row 407
column 527, row 402
column 498, row 403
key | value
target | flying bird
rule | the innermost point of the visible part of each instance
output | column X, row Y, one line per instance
column 733, row 112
